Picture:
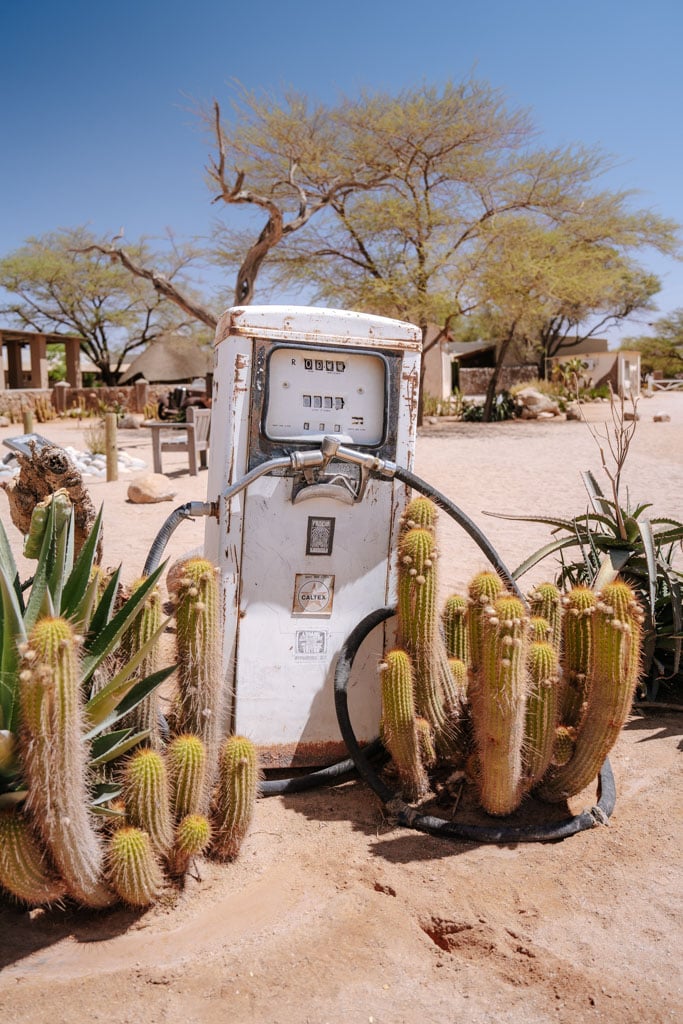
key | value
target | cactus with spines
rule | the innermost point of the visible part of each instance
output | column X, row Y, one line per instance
column 399, row 723
column 454, row 625
column 420, row 513
column 186, row 761
column 235, row 799
column 579, row 606
column 541, row 711
column 436, row 698
column 545, row 601
column 458, row 671
column 539, row 630
column 143, row 628
column 200, row 683
column 614, row 669
column 146, row 798
column 483, row 590
column 192, row 839
column 24, row 871
column 498, row 695
column 134, row 871
column 54, row 758
column 425, row 740
column 563, row 745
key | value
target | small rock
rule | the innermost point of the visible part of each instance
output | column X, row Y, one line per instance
column 630, row 415
column 5, row 421
column 661, row 417
column 129, row 422
column 573, row 411
column 150, row 488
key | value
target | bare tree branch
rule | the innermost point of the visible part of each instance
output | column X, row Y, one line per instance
column 159, row 282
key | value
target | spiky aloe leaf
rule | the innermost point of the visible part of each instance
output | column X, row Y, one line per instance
column 76, row 586
column 136, row 693
column 8, row 565
column 114, row 744
column 100, row 643
column 12, row 633
column 105, row 700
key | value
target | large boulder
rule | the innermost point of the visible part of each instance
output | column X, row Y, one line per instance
column 150, row 488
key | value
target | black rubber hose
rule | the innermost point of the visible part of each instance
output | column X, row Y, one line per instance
column 331, row 774
column 409, row 816
column 463, row 520
column 177, row 516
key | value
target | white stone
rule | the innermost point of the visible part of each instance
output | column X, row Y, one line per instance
column 150, row 488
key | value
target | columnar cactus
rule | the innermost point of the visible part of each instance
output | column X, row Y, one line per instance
column 146, row 624
column 614, row 669
column 192, row 838
column 498, row 697
column 200, row 683
column 146, row 797
column 545, row 601
column 454, row 624
column 236, row 792
column 541, row 711
column 54, row 758
column 186, row 760
column 134, row 871
column 563, row 746
column 483, row 590
column 24, row 871
column 579, row 606
column 435, row 696
column 420, row 513
column 399, row 727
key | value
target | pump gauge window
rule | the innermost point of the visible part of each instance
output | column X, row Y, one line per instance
column 311, row 394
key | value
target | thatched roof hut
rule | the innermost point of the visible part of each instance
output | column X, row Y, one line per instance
column 171, row 359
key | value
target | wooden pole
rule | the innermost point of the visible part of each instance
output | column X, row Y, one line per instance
column 27, row 420
column 110, row 446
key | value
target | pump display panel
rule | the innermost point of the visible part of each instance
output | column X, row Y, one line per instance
column 310, row 393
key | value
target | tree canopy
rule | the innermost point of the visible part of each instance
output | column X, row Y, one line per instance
column 58, row 282
column 663, row 351
column 460, row 215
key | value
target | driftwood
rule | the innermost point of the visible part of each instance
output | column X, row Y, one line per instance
column 45, row 471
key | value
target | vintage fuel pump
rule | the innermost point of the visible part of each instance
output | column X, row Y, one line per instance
column 307, row 402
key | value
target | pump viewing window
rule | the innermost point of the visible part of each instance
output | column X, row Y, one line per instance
column 309, row 394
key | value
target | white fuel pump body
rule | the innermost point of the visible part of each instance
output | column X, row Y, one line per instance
column 304, row 556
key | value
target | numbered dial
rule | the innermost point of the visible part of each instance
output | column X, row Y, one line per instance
column 312, row 394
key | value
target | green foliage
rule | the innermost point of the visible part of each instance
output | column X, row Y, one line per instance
column 662, row 353
column 644, row 557
column 53, row 282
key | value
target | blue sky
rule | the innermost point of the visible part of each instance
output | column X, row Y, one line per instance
column 97, row 122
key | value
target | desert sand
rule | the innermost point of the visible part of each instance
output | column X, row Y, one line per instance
column 332, row 913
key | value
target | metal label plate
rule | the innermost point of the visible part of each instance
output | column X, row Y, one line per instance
column 313, row 594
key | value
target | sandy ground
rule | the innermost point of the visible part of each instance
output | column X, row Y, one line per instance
column 332, row 914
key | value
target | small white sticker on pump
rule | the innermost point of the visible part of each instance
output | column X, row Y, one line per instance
column 313, row 594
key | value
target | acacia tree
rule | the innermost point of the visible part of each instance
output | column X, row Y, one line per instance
column 60, row 282
column 393, row 204
column 663, row 351
column 458, row 174
column 539, row 283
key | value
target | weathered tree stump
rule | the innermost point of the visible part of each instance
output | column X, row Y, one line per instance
column 42, row 473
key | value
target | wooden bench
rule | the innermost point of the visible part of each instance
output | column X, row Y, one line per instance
column 191, row 437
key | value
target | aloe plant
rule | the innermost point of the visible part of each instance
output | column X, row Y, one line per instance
column 59, row 733
column 627, row 540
